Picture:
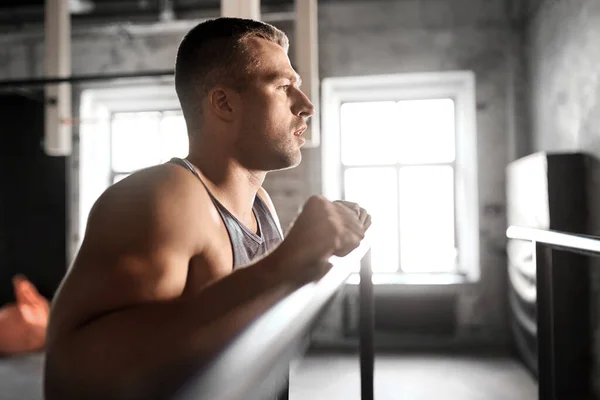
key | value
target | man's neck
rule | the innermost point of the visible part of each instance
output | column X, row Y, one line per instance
column 232, row 184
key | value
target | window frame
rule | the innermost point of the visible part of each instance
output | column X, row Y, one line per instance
column 457, row 85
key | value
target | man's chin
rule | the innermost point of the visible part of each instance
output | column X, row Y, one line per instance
column 290, row 160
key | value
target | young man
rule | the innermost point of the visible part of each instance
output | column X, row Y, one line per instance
column 156, row 282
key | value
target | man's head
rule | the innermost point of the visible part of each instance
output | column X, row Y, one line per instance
column 234, row 80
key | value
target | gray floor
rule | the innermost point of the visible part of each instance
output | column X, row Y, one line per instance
column 21, row 377
column 410, row 377
column 337, row 377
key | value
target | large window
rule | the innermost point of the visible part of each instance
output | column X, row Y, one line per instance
column 142, row 139
column 401, row 149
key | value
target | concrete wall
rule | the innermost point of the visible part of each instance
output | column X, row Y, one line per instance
column 563, row 51
column 358, row 38
column 564, row 57
column 362, row 38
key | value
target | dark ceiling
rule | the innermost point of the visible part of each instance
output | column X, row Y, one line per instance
column 205, row 3
column 17, row 13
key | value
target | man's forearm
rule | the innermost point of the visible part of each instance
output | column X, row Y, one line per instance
column 120, row 351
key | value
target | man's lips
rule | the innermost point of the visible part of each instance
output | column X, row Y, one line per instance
column 300, row 131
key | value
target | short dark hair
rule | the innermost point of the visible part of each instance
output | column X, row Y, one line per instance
column 215, row 52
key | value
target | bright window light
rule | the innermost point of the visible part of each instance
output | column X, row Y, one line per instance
column 134, row 140
column 368, row 133
column 375, row 189
column 143, row 139
column 398, row 162
column 426, row 131
column 426, row 206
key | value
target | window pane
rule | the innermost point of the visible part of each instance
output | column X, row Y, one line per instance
column 173, row 136
column 427, row 219
column 426, row 130
column 375, row 189
column 369, row 134
column 135, row 140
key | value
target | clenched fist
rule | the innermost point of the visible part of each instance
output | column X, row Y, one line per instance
column 321, row 230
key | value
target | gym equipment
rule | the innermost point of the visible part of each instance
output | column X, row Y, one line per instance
column 253, row 366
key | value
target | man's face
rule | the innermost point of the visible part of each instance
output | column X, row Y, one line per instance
column 273, row 111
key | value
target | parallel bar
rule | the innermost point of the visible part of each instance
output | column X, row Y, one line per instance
column 567, row 241
column 545, row 325
column 367, row 324
column 565, row 349
column 254, row 365
column 572, row 349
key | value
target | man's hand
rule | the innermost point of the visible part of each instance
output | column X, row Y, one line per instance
column 362, row 214
column 323, row 229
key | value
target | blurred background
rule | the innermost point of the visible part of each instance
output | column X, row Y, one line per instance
column 449, row 120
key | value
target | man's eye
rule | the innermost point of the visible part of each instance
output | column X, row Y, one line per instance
column 285, row 88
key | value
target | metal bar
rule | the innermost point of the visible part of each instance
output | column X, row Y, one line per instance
column 367, row 325
column 254, row 365
column 83, row 78
column 563, row 311
column 571, row 339
column 545, row 324
column 587, row 245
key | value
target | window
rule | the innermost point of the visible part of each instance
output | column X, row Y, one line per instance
column 124, row 129
column 404, row 148
column 142, row 139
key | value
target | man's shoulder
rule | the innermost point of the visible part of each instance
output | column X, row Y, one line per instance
column 163, row 191
column 164, row 181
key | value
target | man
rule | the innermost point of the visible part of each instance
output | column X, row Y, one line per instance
column 156, row 283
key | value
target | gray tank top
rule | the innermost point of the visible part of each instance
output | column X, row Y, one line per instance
column 245, row 244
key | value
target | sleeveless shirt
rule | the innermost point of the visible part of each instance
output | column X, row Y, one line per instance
column 246, row 245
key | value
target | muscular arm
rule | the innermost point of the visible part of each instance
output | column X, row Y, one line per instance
column 119, row 322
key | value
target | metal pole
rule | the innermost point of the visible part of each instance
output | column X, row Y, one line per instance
column 57, row 61
column 545, row 323
column 83, row 78
column 367, row 352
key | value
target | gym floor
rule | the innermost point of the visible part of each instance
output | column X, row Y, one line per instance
column 332, row 377
column 414, row 377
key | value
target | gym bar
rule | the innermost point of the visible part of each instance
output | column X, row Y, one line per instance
column 253, row 366
column 562, row 302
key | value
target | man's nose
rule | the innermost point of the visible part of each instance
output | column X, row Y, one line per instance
column 305, row 108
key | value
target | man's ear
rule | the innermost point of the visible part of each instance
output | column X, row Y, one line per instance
column 222, row 101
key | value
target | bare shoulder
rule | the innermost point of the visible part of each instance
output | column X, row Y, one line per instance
column 157, row 205
column 139, row 239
